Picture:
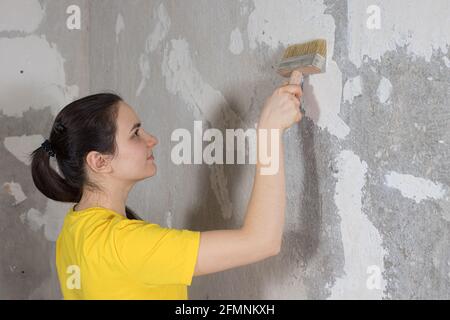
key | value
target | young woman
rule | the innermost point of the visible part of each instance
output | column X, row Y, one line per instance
column 104, row 251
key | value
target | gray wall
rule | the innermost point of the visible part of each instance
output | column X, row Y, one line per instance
column 367, row 169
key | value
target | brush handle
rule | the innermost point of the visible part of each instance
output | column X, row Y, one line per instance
column 297, row 78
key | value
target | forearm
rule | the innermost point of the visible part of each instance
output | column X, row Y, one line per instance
column 264, row 220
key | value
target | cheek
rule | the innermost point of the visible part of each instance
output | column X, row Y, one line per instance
column 134, row 154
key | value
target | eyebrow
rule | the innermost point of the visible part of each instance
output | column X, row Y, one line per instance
column 136, row 125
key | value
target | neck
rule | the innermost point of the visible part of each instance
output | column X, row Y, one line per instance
column 113, row 198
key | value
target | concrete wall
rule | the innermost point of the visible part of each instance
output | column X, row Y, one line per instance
column 368, row 168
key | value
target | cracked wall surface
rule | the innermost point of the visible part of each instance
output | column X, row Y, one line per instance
column 367, row 169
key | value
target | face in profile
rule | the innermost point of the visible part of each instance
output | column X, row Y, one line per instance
column 134, row 158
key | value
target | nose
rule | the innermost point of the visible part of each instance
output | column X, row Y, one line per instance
column 153, row 141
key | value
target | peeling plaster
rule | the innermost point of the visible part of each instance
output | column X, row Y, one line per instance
column 446, row 61
column 158, row 34
column 43, row 76
column 361, row 240
column 20, row 15
column 323, row 93
column 160, row 30
column 415, row 188
column 51, row 219
column 15, row 190
column 184, row 80
column 288, row 22
column 416, row 24
column 384, row 90
column 352, row 89
column 120, row 25
column 236, row 44
column 22, row 146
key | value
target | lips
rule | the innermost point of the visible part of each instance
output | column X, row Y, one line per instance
column 151, row 157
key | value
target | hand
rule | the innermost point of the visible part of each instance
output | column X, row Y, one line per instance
column 282, row 108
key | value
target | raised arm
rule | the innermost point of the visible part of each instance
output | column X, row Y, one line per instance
column 262, row 231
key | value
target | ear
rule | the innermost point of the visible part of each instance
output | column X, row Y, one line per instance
column 98, row 162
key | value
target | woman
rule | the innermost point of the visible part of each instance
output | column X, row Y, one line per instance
column 104, row 251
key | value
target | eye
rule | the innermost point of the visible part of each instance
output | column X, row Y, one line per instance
column 136, row 133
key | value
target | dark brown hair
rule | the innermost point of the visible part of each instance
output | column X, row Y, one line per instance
column 87, row 124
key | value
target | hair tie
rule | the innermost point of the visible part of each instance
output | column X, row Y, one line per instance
column 59, row 127
column 48, row 147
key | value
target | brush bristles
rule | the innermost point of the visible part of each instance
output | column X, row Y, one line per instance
column 318, row 46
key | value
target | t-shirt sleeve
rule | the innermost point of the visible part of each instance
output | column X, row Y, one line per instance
column 154, row 254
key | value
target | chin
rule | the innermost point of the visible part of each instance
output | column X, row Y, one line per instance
column 147, row 176
column 153, row 171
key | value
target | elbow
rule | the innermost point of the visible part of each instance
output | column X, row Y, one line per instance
column 272, row 247
column 268, row 250
column 277, row 246
column 275, row 250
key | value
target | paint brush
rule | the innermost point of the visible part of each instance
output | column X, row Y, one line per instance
column 303, row 59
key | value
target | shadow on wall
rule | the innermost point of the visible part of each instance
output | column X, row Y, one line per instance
column 312, row 107
column 310, row 203
column 298, row 246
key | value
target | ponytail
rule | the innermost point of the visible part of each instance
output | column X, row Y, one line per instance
column 48, row 181
column 131, row 214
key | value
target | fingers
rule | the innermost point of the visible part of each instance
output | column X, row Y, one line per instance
column 295, row 100
column 295, row 109
column 297, row 115
column 294, row 89
column 294, row 92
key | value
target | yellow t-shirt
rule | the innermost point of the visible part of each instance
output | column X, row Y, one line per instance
column 101, row 254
